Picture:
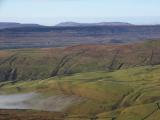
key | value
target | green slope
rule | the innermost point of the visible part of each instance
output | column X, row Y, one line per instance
column 128, row 94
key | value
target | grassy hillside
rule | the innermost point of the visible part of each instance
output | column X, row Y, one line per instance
column 109, row 81
column 127, row 94
column 32, row 64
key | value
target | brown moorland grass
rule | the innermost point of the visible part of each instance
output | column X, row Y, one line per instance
column 31, row 64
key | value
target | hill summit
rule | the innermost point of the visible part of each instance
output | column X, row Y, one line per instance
column 4, row 25
column 66, row 24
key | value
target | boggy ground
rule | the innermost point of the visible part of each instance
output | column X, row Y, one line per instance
column 29, row 115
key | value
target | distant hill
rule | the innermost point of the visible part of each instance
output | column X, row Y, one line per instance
column 67, row 24
column 30, row 37
column 4, row 25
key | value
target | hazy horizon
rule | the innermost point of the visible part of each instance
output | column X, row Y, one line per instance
column 51, row 12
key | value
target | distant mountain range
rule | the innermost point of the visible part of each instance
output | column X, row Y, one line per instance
column 16, row 35
column 67, row 24
column 4, row 25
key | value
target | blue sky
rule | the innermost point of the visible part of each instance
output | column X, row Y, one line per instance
column 50, row 12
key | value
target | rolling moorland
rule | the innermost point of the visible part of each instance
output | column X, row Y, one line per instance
column 37, row 36
column 104, row 82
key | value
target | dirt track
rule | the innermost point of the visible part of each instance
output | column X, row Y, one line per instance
column 29, row 115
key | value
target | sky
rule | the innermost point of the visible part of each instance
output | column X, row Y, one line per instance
column 51, row 12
